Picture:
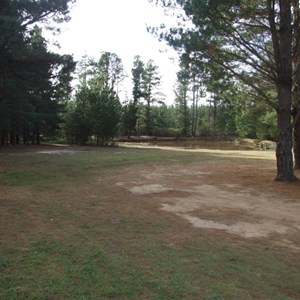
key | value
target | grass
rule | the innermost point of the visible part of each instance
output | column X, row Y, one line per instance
column 67, row 235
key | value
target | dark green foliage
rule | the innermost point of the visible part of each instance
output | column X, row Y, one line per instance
column 79, row 123
column 35, row 83
column 130, row 112
column 182, row 101
column 32, row 79
column 150, row 93
column 105, row 114
column 95, row 112
column 129, row 118
column 138, row 116
column 257, row 42
column 137, row 78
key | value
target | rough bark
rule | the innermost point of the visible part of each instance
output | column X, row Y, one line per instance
column 0, row 135
column 284, row 154
column 1, row 101
column 296, row 82
column 296, row 121
column 282, row 39
column 194, row 114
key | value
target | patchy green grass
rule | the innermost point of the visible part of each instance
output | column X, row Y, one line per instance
column 42, row 170
column 67, row 235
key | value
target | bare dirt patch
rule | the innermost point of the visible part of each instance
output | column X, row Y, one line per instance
column 235, row 201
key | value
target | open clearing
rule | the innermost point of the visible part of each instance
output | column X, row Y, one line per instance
column 128, row 223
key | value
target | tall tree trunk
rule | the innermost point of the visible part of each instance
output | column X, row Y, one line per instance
column 6, row 137
column 0, row 135
column 215, row 111
column 26, row 133
column 194, row 112
column 1, row 101
column 13, row 136
column 296, row 121
column 282, row 39
column 184, row 113
column 296, row 82
column 148, row 118
column 33, row 137
column 284, row 144
column 38, row 137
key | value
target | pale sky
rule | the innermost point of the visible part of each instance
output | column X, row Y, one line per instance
column 119, row 26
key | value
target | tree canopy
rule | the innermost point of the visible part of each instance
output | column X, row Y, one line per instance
column 32, row 79
column 242, row 56
column 257, row 42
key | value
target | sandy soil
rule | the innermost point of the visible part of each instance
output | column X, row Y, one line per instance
column 229, row 206
column 237, row 199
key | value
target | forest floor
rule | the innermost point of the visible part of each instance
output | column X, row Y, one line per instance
column 158, row 223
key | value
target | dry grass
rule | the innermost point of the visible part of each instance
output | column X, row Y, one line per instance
column 71, row 227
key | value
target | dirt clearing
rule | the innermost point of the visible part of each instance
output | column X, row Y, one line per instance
column 235, row 197
column 216, row 197
column 128, row 223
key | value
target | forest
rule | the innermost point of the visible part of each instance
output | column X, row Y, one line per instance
column 239, row 77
